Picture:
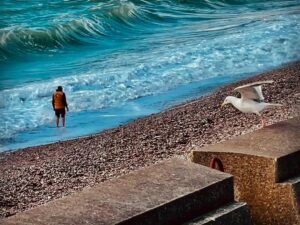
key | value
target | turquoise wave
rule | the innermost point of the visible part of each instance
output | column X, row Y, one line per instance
column 95, row 24
column 40, row 27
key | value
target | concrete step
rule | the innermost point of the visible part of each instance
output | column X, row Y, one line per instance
column 280, row 143
column 231, row 214
column 171, row 192
column 294, row 184
column 261, row 162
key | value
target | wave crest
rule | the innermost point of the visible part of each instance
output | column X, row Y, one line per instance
column 101, row 21
column 18, row 39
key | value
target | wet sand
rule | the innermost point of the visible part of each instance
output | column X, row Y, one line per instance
column 36, row 175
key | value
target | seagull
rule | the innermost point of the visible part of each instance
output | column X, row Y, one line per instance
column 252, row 99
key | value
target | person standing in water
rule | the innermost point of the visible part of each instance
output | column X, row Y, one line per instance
column 59, row 103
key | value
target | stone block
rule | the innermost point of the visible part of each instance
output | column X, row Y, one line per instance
column 261, row 163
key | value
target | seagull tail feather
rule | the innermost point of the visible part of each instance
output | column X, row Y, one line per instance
column 274, row 105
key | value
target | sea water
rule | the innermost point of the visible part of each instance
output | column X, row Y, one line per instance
column 119, row 60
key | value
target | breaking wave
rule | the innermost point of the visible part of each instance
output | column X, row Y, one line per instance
column 94, row 22
column 95, row 25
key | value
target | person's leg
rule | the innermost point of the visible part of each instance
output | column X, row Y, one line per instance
column 63, row 116
column 57, row 117
column 57, row 121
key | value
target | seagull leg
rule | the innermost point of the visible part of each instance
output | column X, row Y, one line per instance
column 263, row 122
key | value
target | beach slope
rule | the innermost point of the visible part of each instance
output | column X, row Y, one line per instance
column 36, row 175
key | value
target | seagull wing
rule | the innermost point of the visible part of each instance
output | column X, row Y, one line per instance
column 253, row 90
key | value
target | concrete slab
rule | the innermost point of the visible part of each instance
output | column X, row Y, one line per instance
column 233, row 214
column 170, row 192
column 294, row 183
column 279, row 142
column 274, row 141
column 266, row 166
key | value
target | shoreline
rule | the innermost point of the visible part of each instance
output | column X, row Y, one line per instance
column 35, row 175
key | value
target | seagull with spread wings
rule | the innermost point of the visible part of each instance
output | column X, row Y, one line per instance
column 252, row 99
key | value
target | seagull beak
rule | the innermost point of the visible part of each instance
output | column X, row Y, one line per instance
column 223, row 104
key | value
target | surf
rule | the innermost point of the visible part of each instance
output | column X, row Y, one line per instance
column 111, row 54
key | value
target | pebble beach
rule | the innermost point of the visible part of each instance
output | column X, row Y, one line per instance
column 36, row 175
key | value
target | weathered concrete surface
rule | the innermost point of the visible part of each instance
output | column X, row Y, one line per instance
column 170, row 192
column 232, row 214
column 280, row 141
column 261, row 162
column 295, row 193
